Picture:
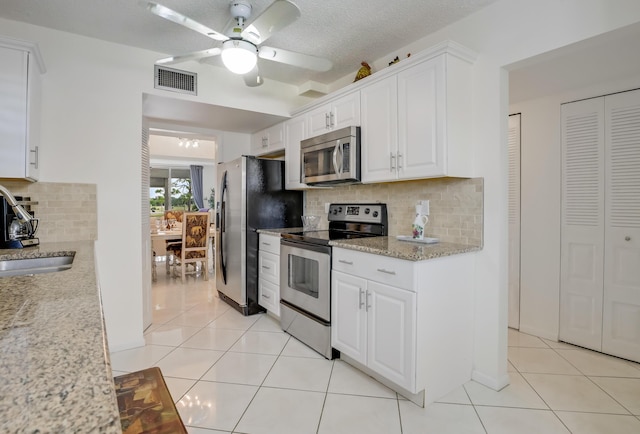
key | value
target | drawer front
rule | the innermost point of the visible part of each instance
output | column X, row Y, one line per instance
column 269, row 296
column 269, row 243
column 269, row 267
column 383, row 269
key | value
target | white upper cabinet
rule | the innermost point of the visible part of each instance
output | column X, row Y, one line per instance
column 340, row 113
column 268, row 141
column 295, row 130
column 20, row 69
column 416, row 123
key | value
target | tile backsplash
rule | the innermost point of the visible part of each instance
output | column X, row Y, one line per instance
column 456, row 205
column 67, row 212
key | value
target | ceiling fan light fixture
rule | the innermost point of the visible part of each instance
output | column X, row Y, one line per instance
column 239, row 56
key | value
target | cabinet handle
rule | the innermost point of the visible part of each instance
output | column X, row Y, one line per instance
column 399, row 157
column 266, row 244
column 627, row 238
column 326, row 120
column 266, row 296
column 342, row 261
column 266, row 268
column 382, row 270
column 368, row 305
column 392, row 163
column 360, row 301
column 35, row 163
column 331, row 120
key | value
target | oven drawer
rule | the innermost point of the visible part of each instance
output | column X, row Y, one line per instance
column 269, row 267
column 269, row 243
column 383, row 269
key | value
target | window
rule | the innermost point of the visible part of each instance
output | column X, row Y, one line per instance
column 170, row 188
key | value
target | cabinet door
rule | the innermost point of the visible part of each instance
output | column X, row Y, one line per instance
column 379, row 134
column 348, row 316
column 258, row 142
column 345, row 112
column 295, row 132
column 421, row 120
column 275, row 138
column 621, row 313
column 13, row 112
column 318, row 120
column 582, row 223
column 391, row 339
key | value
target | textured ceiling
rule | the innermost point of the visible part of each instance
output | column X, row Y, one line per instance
column 343, row 31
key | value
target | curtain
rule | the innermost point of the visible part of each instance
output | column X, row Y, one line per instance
column 196, row 185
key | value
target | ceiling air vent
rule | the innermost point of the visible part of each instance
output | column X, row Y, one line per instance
column 175, row 80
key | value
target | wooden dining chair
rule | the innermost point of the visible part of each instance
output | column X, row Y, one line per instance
column 194, row 247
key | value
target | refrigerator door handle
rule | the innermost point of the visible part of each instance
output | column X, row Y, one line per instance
column 223, row 219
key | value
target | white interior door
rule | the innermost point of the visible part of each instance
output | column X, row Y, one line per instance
column 582, row 229
column 621, row 316
column 514, row 221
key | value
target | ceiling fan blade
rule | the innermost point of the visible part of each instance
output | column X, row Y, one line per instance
column 296, row 59
column 178, row 18
column 280, row 14
column 191, row 56
column 253, row 78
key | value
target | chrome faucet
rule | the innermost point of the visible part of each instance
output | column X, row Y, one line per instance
column 21, row 213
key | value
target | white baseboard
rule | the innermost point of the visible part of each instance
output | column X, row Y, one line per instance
column 490, row 381
column 127, row 346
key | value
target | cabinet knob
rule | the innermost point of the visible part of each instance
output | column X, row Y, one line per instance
column 627, row 238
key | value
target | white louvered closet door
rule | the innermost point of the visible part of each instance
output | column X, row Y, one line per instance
column 582, row 223
column 147, row 255
column 514, row 221
column 621, row 316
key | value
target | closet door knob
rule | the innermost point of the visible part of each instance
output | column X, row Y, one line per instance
column 627, row 238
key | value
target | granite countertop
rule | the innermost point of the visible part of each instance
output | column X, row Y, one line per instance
column 55, row 374
column 407, row 250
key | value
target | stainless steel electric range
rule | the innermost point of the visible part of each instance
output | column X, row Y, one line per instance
column 305, row 271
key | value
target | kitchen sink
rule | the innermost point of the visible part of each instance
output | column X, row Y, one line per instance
column 26, row 266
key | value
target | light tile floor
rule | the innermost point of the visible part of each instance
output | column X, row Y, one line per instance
column 229, row 373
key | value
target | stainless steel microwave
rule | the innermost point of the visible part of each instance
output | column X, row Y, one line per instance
column 331, row 158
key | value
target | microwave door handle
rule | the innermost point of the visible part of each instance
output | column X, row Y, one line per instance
column 341, row 158
column 335, row 157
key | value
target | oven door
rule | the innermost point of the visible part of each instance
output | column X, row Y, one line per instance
column 305, row 277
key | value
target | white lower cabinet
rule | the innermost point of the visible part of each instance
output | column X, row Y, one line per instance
column 374, row 324
column 269, row 273
column 407, row 323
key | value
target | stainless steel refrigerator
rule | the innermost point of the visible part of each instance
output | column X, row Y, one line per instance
column 252, row 197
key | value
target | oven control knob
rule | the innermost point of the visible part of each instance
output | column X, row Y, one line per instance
column 340, row 209
column 335, row 211
column 367, row 210
column 375, row 213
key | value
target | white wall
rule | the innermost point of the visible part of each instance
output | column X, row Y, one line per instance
column 503, row 33
column 541, row 204
column 92, row 124
column 91, row 133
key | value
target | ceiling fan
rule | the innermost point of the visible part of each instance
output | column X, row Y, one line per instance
column 241, row 46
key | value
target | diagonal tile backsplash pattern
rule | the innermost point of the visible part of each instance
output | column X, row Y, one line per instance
column 67, row 212
column 456, row 205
